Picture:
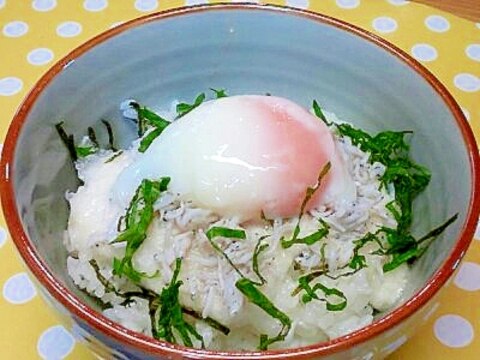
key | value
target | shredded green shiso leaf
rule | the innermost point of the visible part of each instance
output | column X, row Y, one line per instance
column 323, row 230
column 335, row 299
column 408, row 178
column 135, row 223
column 185, row 108
column 162, row 329
column 78, row 151
column 250, row 288
column 148, row 120
column 220, row 93
column 169, row 317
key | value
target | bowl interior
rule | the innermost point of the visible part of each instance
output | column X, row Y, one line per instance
column 245, row 51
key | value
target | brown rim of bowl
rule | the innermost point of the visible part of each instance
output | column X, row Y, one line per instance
column 155, row 347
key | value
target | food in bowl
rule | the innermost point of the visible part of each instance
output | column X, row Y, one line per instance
column 246, row 222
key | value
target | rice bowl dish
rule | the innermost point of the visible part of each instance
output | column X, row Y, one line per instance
column 37, row 172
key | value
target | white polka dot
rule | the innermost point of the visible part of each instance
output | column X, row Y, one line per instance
column 467, row 82
column 453, row 331
column 44, row 5
column 2, row 3
column 348, row 4
column 55, row 343
column 3, row 232
column 18, row 289
column 477, row 25
column 424, row 52
column 466, row 113
column 10, row 86
column 468, row 276
column 302, row 4
column 15, row 29
column 384, row 24
column 146, row 5
column 398, row 2
column 40, row 56
column 390, row 348
column 437, row 23
column 95, row 5
column 69, row 29
column 195, row 2
column 473, row 51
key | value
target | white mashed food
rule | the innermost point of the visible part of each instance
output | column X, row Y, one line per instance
column 179, row 228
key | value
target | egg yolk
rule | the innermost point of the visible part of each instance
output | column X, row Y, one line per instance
column 244, row 155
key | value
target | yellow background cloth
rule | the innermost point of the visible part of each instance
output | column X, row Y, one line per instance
column 35, row 34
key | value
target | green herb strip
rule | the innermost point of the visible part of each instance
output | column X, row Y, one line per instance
column 339, row 301
column 221, row 93
column 78, row 152
column 217, row 231
column 148, row 118
column 93, row 137
column 154, row 301
column 359, row 261
column 147, row 140
column 321, row 233
column 106, row 284
column 84, row 151
column 170, row 314
column 409, row 180
column 311, row 239
column 414, row 248
column 259, row 248
column 111, row 138
column 390, row 149
column 114, row 156
column 151, row 118
column 401, row 248
column 249, row 287
column 317, row 110
column 438, row 230
column 255, row 296
column 392, row 207
column 68, row 141
column 214, row 324
column 137, row 220
column 185, row 108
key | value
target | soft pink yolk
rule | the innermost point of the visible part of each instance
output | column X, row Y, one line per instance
column 244, row 155
column 299, row 145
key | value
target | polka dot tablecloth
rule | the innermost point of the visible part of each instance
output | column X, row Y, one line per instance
column 36, row 33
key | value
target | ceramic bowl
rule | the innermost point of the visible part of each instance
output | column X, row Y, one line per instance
column 245, row 49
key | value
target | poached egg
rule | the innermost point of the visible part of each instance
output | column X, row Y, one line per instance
column 244, row 155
